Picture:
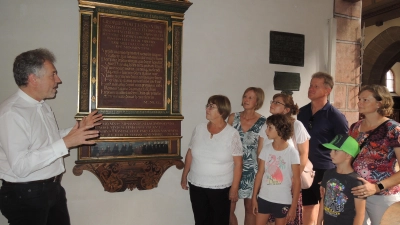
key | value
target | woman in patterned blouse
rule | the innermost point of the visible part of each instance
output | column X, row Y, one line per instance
column 378, row 137
column 250, row 124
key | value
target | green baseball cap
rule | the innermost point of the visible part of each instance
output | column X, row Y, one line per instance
column 345, row 143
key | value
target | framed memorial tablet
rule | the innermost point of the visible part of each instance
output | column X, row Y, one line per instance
column 130, row 71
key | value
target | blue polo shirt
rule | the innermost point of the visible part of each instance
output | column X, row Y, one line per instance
column 323, row 126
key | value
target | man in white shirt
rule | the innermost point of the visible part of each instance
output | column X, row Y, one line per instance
column 32, row 147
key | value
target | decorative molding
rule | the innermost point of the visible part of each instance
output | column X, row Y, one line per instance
column 119, row 176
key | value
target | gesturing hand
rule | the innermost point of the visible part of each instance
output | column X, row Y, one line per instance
column 81, row 135
column 91, row 119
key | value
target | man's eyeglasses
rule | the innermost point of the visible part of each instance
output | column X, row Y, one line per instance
column 276, row 103
column 310, row 122
column 211, row 106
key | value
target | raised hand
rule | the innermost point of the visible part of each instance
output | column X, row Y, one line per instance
column 81, row 135
column 91, row 119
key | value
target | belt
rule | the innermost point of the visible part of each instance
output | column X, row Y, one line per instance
column 56, row 179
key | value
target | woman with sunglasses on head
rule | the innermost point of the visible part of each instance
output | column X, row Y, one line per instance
column 378, row 137
column 283, row 103
column 249, row 124
column 213, row 165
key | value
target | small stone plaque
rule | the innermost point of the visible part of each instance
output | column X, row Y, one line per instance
column 286, row 81
column 286, row 48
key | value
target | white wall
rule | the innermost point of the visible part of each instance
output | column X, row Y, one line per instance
column 225, row 50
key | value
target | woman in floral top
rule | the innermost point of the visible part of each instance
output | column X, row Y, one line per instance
column 250, row 125
column 379, row 151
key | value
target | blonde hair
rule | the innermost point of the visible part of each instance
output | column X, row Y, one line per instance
column 381, row 94
column 259, row 94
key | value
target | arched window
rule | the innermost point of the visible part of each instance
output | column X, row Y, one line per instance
column 390, row 80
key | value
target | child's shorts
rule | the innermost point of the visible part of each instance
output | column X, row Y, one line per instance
column 275, row 209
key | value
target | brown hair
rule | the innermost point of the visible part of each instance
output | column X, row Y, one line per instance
column 223, row 104
column 282, row 124
column 289, row 103
column 328, row 79
column 259, row 94
column 381, row 94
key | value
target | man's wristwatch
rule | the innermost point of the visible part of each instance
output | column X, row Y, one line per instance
column 380, row 186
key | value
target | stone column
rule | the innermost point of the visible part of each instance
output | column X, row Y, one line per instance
column 347, row 69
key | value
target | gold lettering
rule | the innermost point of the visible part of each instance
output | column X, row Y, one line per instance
column 132, row 64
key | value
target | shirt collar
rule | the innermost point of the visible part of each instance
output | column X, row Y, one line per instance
column 326, row 106
column 28, row 98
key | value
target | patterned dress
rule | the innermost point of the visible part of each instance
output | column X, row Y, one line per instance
column 250, row 143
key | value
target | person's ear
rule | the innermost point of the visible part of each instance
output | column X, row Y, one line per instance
column 32, row 79
column 328, row 90
column 286, row 110
column 349, row 156
column 378, row 104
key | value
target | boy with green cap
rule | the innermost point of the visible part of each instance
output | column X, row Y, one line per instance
column 338, row 205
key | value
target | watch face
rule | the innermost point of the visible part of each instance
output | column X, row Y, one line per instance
column 380, row 186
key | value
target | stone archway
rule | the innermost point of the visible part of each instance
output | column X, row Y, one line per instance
column 380, row 55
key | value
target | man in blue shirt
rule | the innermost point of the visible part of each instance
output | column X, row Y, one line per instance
column 323, row 122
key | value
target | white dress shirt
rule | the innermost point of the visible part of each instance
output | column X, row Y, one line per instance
column 31, row 145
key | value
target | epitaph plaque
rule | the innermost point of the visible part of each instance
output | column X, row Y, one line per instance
column 132, row 58
column 286, row 48
column 286, row 81
column 130, row 71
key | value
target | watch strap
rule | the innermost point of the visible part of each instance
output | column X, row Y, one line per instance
column 380, row 186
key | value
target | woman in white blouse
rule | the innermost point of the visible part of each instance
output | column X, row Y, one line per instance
column 213, row 165
column 283, row 103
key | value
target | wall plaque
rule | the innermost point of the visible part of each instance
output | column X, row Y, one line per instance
column 286, row 81
column 130, row 71
column 286, row 48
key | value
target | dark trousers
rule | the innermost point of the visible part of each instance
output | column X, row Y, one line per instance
column 34, row 204
column 210, row 206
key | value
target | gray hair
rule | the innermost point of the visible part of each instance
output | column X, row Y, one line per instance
column 30, row 62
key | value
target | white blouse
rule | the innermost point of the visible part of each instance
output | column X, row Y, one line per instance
column 212, row 156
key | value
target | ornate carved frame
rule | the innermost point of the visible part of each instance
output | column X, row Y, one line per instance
column 133, row 168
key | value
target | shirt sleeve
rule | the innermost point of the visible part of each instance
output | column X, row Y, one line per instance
column 263, row 153
column 394, row 134
column 301, row 133
column 192, row 138
column 324, row 178
column 294, row 155
column 356, row 182
column 64, row 132
column 15, row 140
column 262, row 131
column 341, row 125
column 237, row 149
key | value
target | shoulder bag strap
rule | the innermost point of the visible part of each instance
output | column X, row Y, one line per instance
column 370, row 134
